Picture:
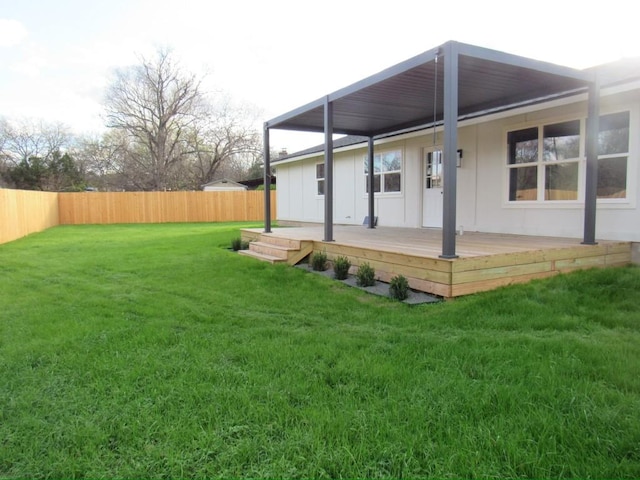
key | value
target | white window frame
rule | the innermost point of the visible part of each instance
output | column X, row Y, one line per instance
column 541, row 164
column 382, row 173
column 319, row 179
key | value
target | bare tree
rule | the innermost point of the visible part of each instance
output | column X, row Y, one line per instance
column 23, row 139
column 104, row 161
column 33, row 156
column 157, row 104
column 223, row 142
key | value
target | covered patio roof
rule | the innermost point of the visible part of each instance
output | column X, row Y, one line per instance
column 410, row 94
column 439, row 86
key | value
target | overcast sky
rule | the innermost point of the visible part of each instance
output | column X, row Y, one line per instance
column 56, row 55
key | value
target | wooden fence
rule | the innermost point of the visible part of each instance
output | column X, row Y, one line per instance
column 161, row 207
column 23, row 212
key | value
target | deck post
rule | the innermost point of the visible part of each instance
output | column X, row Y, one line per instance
column 370, row 183
column 450, row 150
column 591, row 182
column 328, row 170
column 267, row 181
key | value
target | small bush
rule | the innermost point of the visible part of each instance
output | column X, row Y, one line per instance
column 366, row 275
column 239, row 244
column 319, row 261
column 399, row 287
column 341, row 267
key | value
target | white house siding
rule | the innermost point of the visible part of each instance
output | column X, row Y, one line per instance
column 482, row 188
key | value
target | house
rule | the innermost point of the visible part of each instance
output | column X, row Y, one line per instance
column 255, row 183
column 223, row 185
column 465, row 139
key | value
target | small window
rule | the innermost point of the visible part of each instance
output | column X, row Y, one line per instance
column 523, row 178
column 561, row 181
column 561, row 153
column 523, row 184
column 613, row 154
column 523, row 146
column 613, row 137
column 387, row 172
column 612, row 177
column 561, row 141
column 320, row 178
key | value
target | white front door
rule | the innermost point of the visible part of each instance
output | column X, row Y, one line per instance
column 432, row 188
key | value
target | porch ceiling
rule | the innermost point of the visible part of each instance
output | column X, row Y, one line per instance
column 408, row 94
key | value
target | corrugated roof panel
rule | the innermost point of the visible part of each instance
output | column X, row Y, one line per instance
column 403, row 96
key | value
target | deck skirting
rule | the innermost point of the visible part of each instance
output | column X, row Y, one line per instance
column 488, row 263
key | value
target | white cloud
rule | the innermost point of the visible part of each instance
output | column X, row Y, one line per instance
column 12, row 32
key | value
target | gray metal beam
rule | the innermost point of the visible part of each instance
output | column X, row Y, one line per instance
column 450, row 150
column 591, row 182
column 370, row 182
column 328, row 171
column 267, row 181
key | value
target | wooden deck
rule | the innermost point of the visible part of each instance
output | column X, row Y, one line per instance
column 486, row 260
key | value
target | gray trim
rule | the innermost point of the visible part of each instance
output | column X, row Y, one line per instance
column 328, row 171
column 490, row 55
column 317, row 104
column 591, row 181
column 370, row 181
column 450, row 150
column 267, row 181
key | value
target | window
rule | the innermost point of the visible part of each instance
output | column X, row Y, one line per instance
column 387, row 172
column 523, row 169
column 544, row 161
column 320, row 178
column 561, row 154
column 613, row 152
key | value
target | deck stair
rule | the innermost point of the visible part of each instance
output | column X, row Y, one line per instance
column 278, row 250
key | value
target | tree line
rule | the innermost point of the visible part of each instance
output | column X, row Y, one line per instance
column 164, row 133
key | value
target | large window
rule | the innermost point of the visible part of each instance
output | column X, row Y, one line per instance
column 544, row 161
column 387, row 172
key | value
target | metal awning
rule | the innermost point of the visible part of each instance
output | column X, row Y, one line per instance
column 410, row 94
column 442, row 85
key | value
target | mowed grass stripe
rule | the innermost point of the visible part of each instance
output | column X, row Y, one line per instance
column 133, row 351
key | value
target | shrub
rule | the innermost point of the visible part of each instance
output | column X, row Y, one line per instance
column 366, row 275
column 399, row 287
column 341, row 267
column 319, row 261
column 239, row 244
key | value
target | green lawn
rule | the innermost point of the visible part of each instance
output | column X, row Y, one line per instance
column 154, row 351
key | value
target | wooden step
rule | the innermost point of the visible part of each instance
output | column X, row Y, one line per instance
column 280, row 241
column 262, row 256
column 271, row 249
column 275, row 249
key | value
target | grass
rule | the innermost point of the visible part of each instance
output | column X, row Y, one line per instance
column 155, row 351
